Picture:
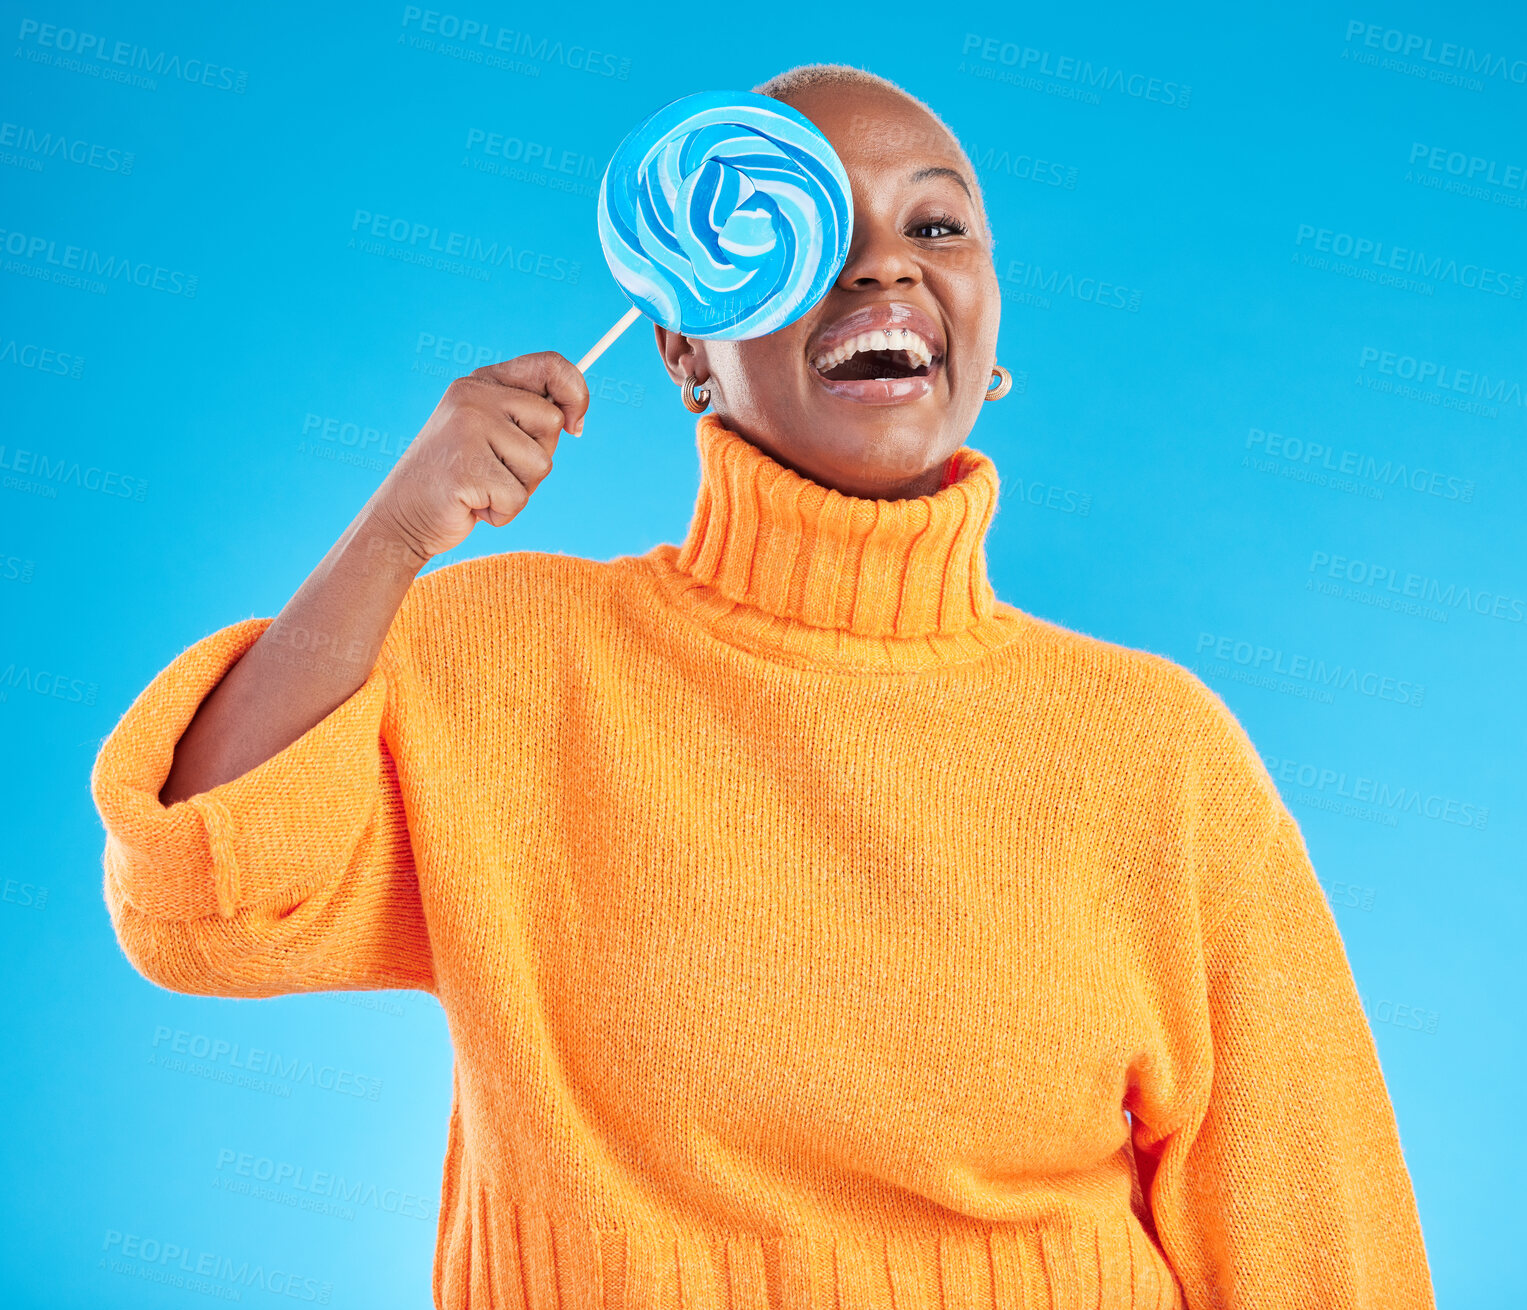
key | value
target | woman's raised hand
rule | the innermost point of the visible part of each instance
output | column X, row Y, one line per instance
column 482, row 453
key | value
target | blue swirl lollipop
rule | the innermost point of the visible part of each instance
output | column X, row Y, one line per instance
column 725, row 215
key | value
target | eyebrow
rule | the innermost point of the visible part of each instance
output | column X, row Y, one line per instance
column 942, row 172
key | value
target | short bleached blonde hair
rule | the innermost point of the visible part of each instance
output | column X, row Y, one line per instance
column 804, row 77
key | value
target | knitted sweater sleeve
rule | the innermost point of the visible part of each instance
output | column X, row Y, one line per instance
column 296, row 876
column 1284, row 1184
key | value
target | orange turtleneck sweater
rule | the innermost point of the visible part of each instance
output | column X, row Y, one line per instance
column 814, row 929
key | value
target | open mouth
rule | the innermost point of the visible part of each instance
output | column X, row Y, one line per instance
column 892, row 353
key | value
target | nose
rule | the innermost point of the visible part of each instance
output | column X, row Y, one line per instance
column 878, row 257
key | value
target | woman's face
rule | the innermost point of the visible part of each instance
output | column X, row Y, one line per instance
column 872, row 424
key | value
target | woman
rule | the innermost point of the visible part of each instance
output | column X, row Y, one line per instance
column 813, row 928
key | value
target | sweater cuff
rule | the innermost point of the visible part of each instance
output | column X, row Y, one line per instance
column 266, row 838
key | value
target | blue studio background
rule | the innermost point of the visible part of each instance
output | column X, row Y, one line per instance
column 1264, row 305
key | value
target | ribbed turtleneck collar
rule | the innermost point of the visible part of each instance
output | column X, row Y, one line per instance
column 782, row 565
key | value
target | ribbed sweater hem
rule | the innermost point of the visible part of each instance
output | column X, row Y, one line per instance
column 498, row 1251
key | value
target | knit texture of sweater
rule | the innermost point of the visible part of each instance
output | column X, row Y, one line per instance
column 815, row 930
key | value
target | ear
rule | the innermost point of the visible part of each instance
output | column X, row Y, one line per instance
column 682, row 355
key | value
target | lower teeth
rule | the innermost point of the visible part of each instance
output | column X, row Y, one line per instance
column 888, row 370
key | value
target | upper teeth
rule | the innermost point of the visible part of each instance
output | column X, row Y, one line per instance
column 919, row 351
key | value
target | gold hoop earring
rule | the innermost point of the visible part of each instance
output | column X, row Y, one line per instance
column 695, row 402
column 1004, row 381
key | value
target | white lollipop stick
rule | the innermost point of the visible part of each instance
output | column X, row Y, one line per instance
column 603, row 344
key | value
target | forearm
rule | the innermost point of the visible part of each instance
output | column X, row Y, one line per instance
column 312, row 658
